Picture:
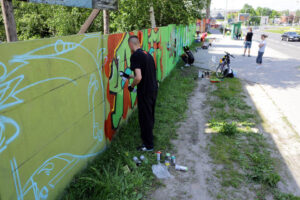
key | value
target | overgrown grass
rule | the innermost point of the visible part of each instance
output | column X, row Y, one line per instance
column 106, row 177
column 242, row 153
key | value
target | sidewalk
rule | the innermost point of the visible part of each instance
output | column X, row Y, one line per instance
column 275, row 90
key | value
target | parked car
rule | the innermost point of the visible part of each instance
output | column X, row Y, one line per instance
column 290, row 36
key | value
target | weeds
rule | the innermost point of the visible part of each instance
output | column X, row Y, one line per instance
column 105, row 177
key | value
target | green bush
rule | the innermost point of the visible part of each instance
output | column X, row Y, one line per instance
column 228, row 129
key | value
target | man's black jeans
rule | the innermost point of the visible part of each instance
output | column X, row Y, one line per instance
column 146, row 106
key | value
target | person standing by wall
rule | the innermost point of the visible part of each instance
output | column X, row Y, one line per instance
column 143, row 66
column 262, row 46
column 248, row 42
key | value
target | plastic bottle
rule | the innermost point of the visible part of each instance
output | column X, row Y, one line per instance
column 181, row 168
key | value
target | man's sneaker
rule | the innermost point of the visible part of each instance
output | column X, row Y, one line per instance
column 249, row 56
column 144, row 148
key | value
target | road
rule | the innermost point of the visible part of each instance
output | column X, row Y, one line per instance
column 274, row 41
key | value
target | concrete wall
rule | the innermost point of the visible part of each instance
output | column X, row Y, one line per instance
column 62, row 100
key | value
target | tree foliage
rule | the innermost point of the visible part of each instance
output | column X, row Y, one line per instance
column 41, row 20
column 255, row 14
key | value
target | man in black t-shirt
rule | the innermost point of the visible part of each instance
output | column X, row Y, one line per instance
column 248, row 42
column 143, row 66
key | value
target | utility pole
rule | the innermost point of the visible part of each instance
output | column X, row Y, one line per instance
column 225, row 17
column 152, row 16
column 9, row 20
column 105, row 21
column 208, row 3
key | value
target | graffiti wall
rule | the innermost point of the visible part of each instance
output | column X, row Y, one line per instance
column 62, row 100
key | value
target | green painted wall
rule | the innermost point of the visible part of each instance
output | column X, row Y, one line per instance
column 61, row 101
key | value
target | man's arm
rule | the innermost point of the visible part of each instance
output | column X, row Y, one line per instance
column 137, row 78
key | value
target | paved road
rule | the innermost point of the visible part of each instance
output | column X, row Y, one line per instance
column 274, row 41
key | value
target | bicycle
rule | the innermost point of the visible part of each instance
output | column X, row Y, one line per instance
column 224, row 66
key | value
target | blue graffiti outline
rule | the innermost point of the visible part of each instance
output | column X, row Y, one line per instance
column 66, row 47
column 98, row 133
column 31, row 184
column 92, row 88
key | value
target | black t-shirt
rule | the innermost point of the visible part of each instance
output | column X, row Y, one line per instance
column 142, row 60
column 249, row 36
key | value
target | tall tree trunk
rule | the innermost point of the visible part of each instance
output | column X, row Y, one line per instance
column 106, row 21
column 89, row 21
column 152, row 16
column 208, row 3
column 9, row 20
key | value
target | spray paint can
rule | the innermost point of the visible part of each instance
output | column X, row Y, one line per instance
column 137, row 161
column 158, row 156
column 173, row 160
column 167, row 163
column 199, row 74
column 168, row 156
column 181, row 168
column 143, row 159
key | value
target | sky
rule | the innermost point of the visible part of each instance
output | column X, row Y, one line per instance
column 273, row 4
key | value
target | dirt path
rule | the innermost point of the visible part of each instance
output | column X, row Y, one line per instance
column 191, row 152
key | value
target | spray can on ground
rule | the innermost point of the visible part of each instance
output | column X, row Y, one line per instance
column 167, row 163
column 173, row 160
column 181, row 168
column 137, row 161
column 144, row 159
column 158, row 156
column 168, row 156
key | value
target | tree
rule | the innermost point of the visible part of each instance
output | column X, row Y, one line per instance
column 42, row 20
column 297, row 17
column 254, row 18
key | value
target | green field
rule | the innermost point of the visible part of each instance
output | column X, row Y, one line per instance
column 282, row 30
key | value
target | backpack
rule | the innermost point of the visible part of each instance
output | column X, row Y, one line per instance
column 228, row 73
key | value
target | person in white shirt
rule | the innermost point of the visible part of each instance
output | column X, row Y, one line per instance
column 262, row 46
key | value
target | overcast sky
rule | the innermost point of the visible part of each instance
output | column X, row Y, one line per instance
column 273, row 4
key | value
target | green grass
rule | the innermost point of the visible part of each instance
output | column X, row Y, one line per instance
column 105, row 177
column 243, row 154
column 281, row 31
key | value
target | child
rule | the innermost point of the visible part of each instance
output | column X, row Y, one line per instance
column 261, row 51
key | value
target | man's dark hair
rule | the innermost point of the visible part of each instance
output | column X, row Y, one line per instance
column 134, row 39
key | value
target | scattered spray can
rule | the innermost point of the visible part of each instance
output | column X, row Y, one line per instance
column 167, row 163
column 173, row 160
column 181, row 168
column 158, row 156
column 137, row 161
column 168, row 156
column 143, row 159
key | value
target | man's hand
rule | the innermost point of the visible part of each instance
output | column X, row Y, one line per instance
column 124, row 75
column 130, row 88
